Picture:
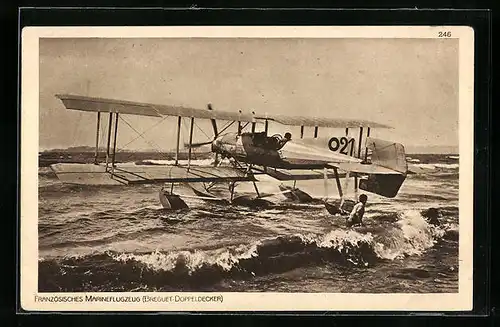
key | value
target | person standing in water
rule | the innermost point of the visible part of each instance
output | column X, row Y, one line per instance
column 356, row 215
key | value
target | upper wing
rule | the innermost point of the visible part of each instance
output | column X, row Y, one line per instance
column 321, row 122
column 77, row 102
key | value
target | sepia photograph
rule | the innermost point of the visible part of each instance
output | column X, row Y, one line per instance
column 248, row 164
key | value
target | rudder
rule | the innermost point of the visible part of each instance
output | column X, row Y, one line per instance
column 387, row 154
column 390, row 155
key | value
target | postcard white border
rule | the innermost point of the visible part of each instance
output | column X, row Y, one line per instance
column 252, row 301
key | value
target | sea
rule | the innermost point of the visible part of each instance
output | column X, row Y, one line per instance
column 121, row 239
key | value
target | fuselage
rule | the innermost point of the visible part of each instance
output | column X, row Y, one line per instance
column 272, row 151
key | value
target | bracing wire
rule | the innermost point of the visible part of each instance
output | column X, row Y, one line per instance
column 154, row 145
column 102, row 134
column 77, row 128
column 185, row 125
column 144, row 132
column 208, row 137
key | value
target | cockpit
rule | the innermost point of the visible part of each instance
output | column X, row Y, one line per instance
column 274, row 142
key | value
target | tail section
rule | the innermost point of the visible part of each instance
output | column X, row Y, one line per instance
column 389, row 155
column 382, row 164
column 385, row 185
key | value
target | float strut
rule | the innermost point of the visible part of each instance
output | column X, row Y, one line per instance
column 337, row 180
column 256, row 189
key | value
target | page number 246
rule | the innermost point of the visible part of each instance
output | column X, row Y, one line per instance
column 444, row 34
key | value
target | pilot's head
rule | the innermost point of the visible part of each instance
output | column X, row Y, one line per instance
column 363, row 198
column 288, row 136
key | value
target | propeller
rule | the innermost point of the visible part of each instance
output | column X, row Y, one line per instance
column 197, row 145
column 216, row 134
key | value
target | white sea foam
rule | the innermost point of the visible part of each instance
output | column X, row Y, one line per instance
column 191, row 260
column 411, row 237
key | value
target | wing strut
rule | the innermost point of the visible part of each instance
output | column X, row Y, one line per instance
column 110, row 123
column 253, row 122
column 366, row 148
column 359, row 156
column 97, row 137
column 179, row 119
column 190, row 142
column 114, row 144
column 360, row 141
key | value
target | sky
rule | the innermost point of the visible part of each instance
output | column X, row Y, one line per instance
column 410, row 84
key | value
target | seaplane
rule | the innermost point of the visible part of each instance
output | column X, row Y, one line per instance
column 377, row 166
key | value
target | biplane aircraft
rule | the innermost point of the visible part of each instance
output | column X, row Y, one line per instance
column 377, row 166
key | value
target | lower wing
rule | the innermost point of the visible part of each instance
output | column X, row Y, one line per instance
column 127, row 174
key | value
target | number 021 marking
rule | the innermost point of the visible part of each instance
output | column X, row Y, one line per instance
column 444, row 34
column 343, row 143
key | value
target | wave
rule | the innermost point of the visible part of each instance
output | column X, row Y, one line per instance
column 437, row 166
column 410, row 159
column 46, row 171
column 56, row 188
column 444, row 176
column 194, row 268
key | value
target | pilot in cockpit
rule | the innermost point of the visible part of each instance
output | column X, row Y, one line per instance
column 288, row 137
column 277, row 141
